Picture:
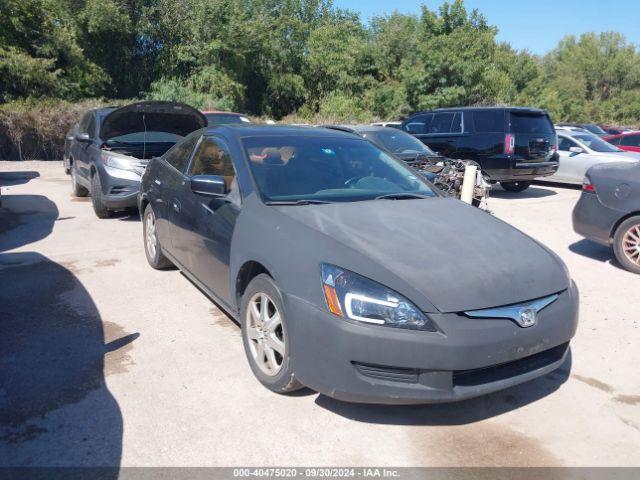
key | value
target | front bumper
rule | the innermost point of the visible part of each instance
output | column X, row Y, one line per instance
column 119, row 188
column 470, row 357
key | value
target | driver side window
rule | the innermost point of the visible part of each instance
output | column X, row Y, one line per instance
column 213, row 158
column 178, row 155
column 84, row 123
column 566, row 144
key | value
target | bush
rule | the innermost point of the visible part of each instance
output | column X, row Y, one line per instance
column 207, row 89
column 36, row 130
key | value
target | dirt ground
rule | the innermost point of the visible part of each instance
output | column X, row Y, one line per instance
column 105, row 361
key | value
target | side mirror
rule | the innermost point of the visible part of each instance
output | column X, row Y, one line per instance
column 211, row 185
column 83, row 137
column 576, row 150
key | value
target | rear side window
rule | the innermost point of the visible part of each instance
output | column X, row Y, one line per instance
column 614, row 141
column 490, row 121
column 631, row 140
column 446, row 122
column 528, row 123
column 419, row 124
column 179, row 154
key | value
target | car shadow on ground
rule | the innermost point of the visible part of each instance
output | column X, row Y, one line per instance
column 595, row 251
column 456, row 413
column 55, row 408
column 10, row 179
column 531, row 192
column 566, row 186
column 128, row 215
column 25, row 219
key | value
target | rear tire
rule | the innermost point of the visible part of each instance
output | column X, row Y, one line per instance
column 96, row 198
column 626, row 244
column 515, row 186
column 152, row 247
column 265, row 335
column 77, row 189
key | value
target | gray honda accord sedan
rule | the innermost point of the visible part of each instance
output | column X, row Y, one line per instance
column 349, row 273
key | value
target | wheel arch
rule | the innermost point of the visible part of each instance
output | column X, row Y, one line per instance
column 247, row 272
column 142, row 205
column 612, row 233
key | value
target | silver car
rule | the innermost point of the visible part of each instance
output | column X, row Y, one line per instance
column 579, row 151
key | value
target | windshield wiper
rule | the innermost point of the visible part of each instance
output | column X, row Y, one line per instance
column 402, row 196
column 297, row 202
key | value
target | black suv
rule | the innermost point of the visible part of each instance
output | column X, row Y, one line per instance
column 513, row 145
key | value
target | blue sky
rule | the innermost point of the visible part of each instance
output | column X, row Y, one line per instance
column 533, row 25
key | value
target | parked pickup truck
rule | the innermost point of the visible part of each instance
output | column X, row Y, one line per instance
column 513, row 145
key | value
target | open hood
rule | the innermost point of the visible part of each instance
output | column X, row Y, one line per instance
column 153, row 116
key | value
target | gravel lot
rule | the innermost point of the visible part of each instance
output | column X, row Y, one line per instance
column 105, row 361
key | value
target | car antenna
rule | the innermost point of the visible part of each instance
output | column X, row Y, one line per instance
column 144, row 139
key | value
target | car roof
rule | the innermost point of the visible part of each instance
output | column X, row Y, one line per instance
column 260, row 130
column 572, row 124
column 103, row 110
column 213, row 112
column 572, row 133
column 570, row 128
column 458, row 109
column 361, row 128
column 620, row 135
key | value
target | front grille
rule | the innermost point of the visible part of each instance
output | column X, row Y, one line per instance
column 480, row 376
column 119, row 190
column 392, row 374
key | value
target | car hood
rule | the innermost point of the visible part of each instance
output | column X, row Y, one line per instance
column 454, row 255
column 154, row 116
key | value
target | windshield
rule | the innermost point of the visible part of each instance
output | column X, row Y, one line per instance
column 149, row 137
column 397, row 141
column 225, row 119
column 528, row 123
column 310, row 168
column 595, row 129
column 596, row 143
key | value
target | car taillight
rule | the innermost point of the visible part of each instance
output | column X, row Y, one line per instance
column 587, row 186
column 509, row 144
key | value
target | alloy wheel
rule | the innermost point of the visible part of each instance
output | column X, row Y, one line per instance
column 150, row 230
column 631, row 244
column 265, row 333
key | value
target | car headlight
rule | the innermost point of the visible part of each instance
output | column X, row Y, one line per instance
column 116, row 161
column 355, row 297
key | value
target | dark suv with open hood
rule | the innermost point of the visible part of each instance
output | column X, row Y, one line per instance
column 112, row 147
column 513, row 145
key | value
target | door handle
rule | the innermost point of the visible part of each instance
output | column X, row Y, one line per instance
column 176, row 205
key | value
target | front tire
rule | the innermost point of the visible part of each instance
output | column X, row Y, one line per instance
column 515, row 186
column 96, row 198
column 626, row 244
column 152, row 247
column 77, row 189
column 265, row 335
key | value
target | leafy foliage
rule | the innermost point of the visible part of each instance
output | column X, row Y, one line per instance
column 304, row 58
